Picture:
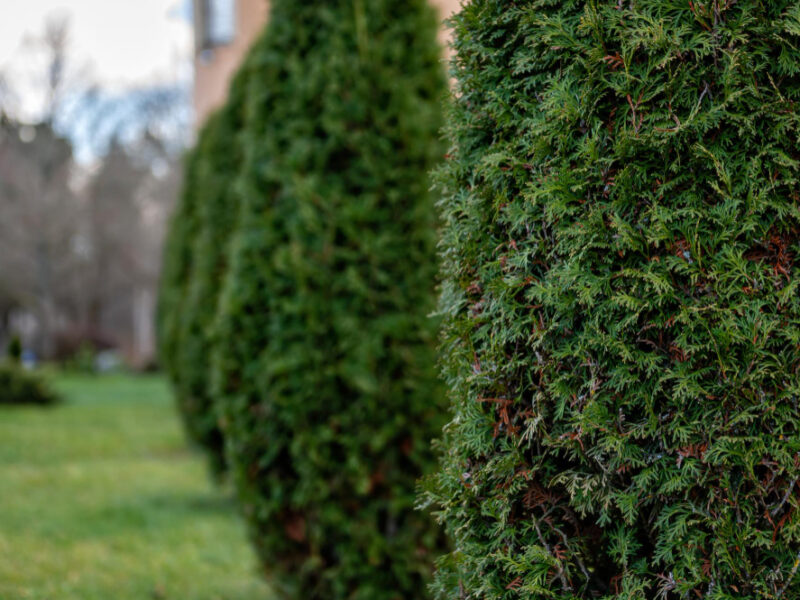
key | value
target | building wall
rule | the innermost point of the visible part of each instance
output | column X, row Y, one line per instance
column 446, row 9
column 215, row 68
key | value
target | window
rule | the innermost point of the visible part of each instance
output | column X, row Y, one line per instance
column 215, row 23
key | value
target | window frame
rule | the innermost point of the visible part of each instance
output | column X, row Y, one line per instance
column 205, row 17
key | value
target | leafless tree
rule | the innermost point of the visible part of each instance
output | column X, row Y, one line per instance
column 80, row 245
column 37, row 216
column 124, row 209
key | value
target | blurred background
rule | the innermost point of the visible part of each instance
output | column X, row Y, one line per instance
column 100, row 496
column 95, row 112
column 98, row 101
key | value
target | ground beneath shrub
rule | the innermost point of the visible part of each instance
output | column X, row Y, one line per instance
column 100, row 499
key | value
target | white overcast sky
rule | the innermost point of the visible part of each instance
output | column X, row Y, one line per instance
column 119, row 43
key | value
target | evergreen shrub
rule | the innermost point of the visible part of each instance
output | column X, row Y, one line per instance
column 216, row 213
column 176, row 265
column 324, row 368
column 14, row 349
column 622, row 335
column 19, row 387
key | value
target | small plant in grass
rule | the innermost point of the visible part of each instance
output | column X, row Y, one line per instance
column 621, row 278
column 324, row 365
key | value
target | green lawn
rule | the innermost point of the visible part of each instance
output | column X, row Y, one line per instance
column 100, row 500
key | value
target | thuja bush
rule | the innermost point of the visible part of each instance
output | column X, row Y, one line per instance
column 216, row 210
column 176, row 265
column 621, row 301
column 19, row 387
column 324, row 368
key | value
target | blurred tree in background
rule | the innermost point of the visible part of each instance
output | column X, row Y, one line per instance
column 80, row 237
column 38, row 215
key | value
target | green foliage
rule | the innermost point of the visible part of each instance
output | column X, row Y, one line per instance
column 324, row 363
column 14, row 350
column 82, row 360
column 219, row 155
column 621, row 233
column 176, row 267
column 20, row 387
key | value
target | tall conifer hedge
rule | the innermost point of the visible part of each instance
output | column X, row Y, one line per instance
column 177, row 264
column 193, row 271
column 622, row 337
column 324, row 372
column 217, row 210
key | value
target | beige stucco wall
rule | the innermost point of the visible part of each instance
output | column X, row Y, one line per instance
column 214, row 69
column 446, row 9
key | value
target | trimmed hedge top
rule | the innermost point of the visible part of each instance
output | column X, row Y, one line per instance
column 621, row 296
column 324, row 367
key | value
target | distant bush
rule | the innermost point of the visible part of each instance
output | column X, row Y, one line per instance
column 324, row 364
column 20, row 387
column 622, row 302
column 14, row 350
column 81, row 360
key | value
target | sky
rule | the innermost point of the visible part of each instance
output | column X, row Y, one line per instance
column 116, row 44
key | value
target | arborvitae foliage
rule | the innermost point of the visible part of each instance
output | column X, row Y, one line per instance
column 216, row 211
column 621, row 297
column 325, row 369
column 177, row 265
column 19, row 387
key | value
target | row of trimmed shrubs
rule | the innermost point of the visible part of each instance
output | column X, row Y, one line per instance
column 298, row 283
column 619, row 289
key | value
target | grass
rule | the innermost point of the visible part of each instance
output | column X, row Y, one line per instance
column 101, row 500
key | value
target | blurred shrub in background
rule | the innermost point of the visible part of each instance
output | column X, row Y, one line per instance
column 324, row 362
column 218, row 159
column 14, row 350
column 178, row 249
column 21, row 387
